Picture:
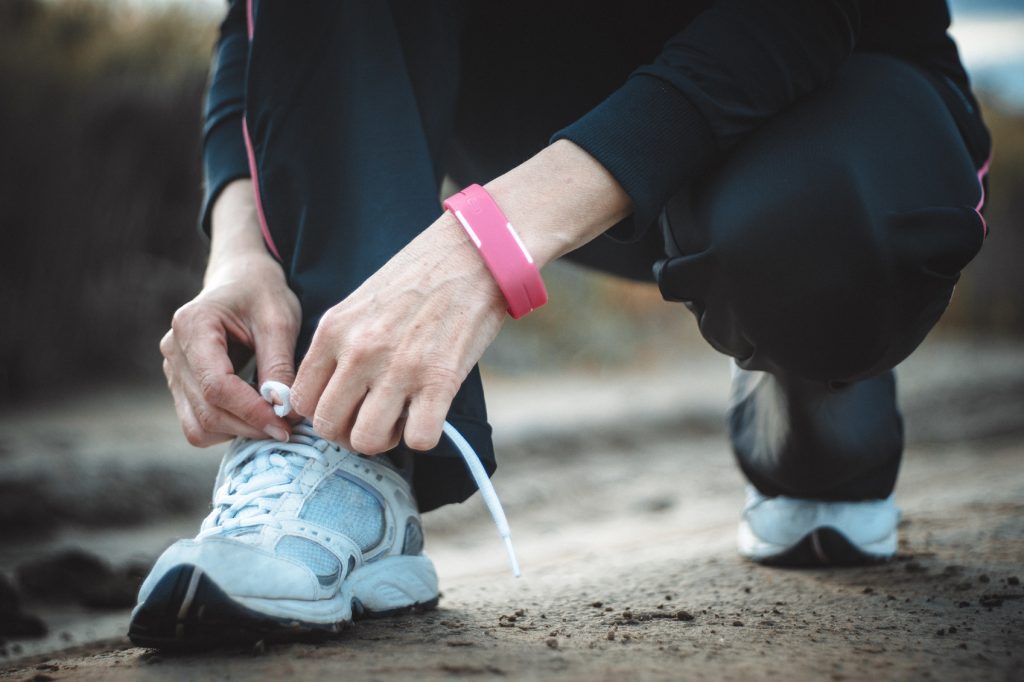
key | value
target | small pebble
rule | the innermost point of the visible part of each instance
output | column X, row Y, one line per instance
column 1013, row 580
column 983, row 578
column 684, row 615
column 737, row 623
column 552, row 643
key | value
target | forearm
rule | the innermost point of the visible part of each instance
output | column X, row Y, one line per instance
column 236, row 238
column 559, row 200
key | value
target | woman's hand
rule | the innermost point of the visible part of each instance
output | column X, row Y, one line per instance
column 387, row 361
column 245, row 302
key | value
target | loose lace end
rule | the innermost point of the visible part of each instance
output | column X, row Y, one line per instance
column 275, row 390
column 511, row 555
column 476, row 469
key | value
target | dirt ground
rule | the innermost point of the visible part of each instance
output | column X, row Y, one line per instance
column 626, row 536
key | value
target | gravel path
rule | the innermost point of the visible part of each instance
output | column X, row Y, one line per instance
column 625, row 533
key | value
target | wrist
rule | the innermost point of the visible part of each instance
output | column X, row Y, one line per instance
column 254, row 267
column 461, row 256
column 501, row 248
column 559, row 199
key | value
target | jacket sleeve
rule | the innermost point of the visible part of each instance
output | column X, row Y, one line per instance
column 224, row 155
column 736, row 65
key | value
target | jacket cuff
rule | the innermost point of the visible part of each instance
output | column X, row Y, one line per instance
column 224, row 160
column 651, row 139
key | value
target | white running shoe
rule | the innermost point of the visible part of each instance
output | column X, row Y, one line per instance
column 787, row 531
column 303, row 537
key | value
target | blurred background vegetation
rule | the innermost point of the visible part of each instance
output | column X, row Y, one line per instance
column 99, row 192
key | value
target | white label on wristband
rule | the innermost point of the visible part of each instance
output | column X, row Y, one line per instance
column 469, row 230
column 522, row 246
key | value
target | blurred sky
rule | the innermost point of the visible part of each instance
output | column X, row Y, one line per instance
column 991, row 38
column 990, row 34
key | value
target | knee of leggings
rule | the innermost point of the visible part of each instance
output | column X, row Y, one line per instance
column 809, row 293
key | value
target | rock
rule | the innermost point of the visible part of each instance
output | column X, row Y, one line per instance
column 14, row 622
column 77, row 576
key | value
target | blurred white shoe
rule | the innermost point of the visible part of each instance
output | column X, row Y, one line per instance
column 303, row 537
column 787, row 531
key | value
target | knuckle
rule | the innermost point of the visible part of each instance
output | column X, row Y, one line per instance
column 167, row 344
column 183, row 316
column 206, row 418
column 326, row 428
column 354, row 354
column 279, row 367
column 278, row 326
column 212, row 387
column 439, row 381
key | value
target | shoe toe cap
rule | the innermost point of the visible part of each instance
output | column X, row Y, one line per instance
column 239, row 569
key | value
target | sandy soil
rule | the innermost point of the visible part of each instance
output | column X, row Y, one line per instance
column 626, row 541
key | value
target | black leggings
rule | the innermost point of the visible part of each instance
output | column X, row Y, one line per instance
column 821, row 251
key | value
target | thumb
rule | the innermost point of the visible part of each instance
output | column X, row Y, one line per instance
column 275, row 353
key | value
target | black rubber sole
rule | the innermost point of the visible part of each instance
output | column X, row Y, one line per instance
column 823, row 547
column 187, row 611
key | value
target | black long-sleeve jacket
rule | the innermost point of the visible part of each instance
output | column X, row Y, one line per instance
column 704, row 76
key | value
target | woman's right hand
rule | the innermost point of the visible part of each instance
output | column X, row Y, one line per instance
column 245, row 301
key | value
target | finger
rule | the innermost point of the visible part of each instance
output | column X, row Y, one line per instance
column 210, row 369
column 425, row 423
column 315, row 372
column 195, row 434
column 275, row 351
column 336, row 412
column 377, row 427
column 214, row 420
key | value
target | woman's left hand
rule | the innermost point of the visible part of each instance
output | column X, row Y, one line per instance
column 387, row 361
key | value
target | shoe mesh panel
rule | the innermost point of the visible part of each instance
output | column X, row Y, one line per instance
column 319, row 560
column 344, row 506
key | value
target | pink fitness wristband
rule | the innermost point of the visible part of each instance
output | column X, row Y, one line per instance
column 502, row 250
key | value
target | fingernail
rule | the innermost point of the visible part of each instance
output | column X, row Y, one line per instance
column 277, row 433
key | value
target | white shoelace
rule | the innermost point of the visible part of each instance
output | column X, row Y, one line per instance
column 246, row 497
